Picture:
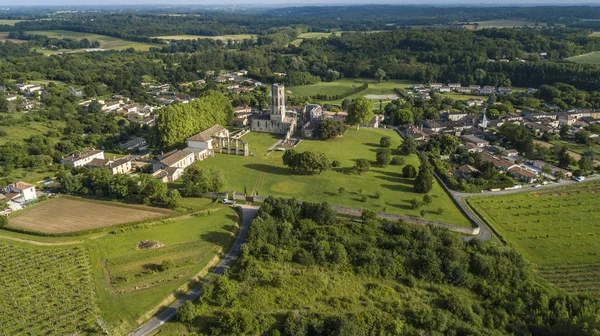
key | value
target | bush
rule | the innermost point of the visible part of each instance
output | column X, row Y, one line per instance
column 397, row 161
column 426, row 199
column 377, row 194
column 415, row 203
column 341, row 190
column 3, row 220
column 409, row 171
column 368, row 214
column 166, row 265
column 383, row 157
column 336, row 164
column 385, row 141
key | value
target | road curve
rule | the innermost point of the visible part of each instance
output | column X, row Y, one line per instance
column 248, row 213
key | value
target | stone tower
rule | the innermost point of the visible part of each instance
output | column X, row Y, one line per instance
column 277, row 102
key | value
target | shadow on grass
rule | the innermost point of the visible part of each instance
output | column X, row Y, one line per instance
column 217, row 238
column 233, row 218
column 371, row 144
column 268, row 169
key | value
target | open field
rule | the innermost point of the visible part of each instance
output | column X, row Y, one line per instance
column 238, row 37
column 125, row 281
column 344, row 85
column 9, row 22
column 555, row 229
column 504, row 24
column 4, row 37
column 591, row 58
column 60, row 215
column 265, row 173
column 106, row 42
column 575, row 150
column 46, row 291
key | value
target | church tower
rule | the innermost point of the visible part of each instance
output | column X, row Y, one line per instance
column 277, row 102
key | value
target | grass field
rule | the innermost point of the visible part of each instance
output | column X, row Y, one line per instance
column 266, row 173
column 46, row 291
column 591, row 58
column 343, row 85
column 575, row 150
column 504, row 24
column 9, row 22
column 124, row 282
column 60, row 215
column 555, row 229
column 106, row 42
column 238, row 37
column 4, row 37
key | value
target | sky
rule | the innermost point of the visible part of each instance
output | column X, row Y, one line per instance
column 8, row 3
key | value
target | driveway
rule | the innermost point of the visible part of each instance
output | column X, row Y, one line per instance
column 248, row 214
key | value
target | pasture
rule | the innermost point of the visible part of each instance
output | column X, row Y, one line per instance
column 380, row 189
column 237, row 37
column 556, row 229
column 590, row 58
column 9, row 22
column 106, row 42
column 505, row 24
column 343, row 85
column 63, row 215
column 46, row 291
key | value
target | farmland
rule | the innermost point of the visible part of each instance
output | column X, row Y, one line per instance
column 106, row 42
column 46, row 291
column 380, row 189
column 126, row 273
column 9, row 22
column 238, row 37
column 504, row 24
column 556, row 229
column 61, row 215
column 591, row 58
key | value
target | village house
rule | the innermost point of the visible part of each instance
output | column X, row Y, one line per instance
column 522, row 174
column 120, row 166
column 375, row 122
column 499, row 163
column 466, row 172
column 474, row 102
column 28, row 105
column 454, row 85
column 111, row 106
column 132, row 144
column 418, row 133
column 11, row 97
column 453, row 116
column 435, row 85
column 202, row 144
column 486, row 90
column 174, row 159
column 241, row 120
column 83, row 157
column 471, row 139
column 129, row 108
column 24, row 191
column 242, row 109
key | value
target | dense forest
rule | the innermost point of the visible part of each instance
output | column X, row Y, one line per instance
column 378, row 278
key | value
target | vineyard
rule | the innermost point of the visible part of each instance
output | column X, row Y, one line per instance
column 46, row 291
column 556, row 229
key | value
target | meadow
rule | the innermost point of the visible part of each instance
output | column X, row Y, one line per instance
column 62, row 215
column 127, row 273
column 380, row 189
column 504, row 24
column 9, row 22
column 106, row 42
column 238, row 37
column 341, row 86
column 555, row 229
column 590, row 58
column 46, row 291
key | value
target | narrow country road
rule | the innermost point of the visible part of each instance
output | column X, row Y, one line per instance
column 248, row 214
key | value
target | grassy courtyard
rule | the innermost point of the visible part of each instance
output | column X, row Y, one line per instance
column 556, row 229
column 128, row 281
column 265, row 173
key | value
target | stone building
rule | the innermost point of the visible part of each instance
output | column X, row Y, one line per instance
column 279, row 120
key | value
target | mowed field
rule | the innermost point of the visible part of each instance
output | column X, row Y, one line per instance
column 238, row 37
column 9, row 22
column 384, row 89
column 556, row 229
column 61, row 215
column 380, row 189
column 106, row 42
column 591, row 58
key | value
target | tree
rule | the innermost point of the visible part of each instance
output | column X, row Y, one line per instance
column 379, row 75
column 385, row 141
column 360, row 111
column 3, row 220
column 408, row 146
column 197, row 180
column 397, row 161
column 345, row 104
column 329, row 129
column 424, row 180
column 186, row 312
column 448, row 144
column 368, row 214
column 362, row 166
column 409, row 171
column 564, row 159
column 383, row 157
column 3, row 102
column 564, row 131
column 583, row 137
column 586, row 163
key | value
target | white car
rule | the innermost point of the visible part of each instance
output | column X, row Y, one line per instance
column 580, row 178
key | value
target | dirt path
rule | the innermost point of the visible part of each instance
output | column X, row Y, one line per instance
column 33, row 242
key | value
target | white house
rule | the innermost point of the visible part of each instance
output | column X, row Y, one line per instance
column 174, row 159
column 111, row 106
column 82, row 158
column 121, row 166
column 25, row 192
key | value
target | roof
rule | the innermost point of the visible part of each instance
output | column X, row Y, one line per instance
column 206, row 134
column 98, row 162
column 171, row 170
column 160, row 174
column 21, row 185
column 467, row 169
column 473, row 139
column 82, row 155
column 174, row 158
column 522, row 172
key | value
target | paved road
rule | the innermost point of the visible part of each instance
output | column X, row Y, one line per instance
column 159, row 319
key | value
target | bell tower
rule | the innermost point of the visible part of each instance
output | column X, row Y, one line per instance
column 277, row 102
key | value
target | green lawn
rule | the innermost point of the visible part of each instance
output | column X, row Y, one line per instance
column 556, row 229
column 127, row 281
column 591, row 58
column 106, row 42
column 238, row 37
column 344, row 85
column 266, row 173
column 461, row 96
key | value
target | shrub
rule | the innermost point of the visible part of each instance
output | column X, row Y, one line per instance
column 368, row 214
column 385, row 141
column 415, row 203
column 426, row 199
column 336, row 164
column 167, row 264
column 383, row 157
column 3, row 220
column 422, row 213
column 363, row 198
column 440, row 211
column 341, row 190
column 409, row 171
column 397, row 161
column 377, row 194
